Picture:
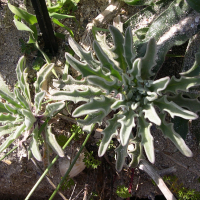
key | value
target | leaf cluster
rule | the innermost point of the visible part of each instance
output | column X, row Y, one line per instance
column 117, row 80
column 90, row 161
column 122, row 191
column 19, row 116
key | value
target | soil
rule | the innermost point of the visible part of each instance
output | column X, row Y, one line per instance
column 18, row 174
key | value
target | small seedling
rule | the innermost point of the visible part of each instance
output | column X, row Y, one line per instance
column 90, row 161
column 122, row 191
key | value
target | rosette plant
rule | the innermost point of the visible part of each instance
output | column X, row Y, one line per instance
column 114, row 79
column 20, row 117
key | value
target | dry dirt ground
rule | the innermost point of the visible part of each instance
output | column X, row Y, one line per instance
column 18, row 174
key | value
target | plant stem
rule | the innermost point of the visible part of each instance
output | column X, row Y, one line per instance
column 8, row 153
column 71, row 166
column 145, row 166
column 49, row 167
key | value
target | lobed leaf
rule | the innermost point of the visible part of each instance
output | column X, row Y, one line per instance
column 42, row 75
column 129, row 51
column 53, row 108
column 34, row 147
column 7, row 118
column 3, row 109
column 151, row 114
column 51, row 140
column 135, row 154
column 190, row 104
column 84, row 55
column 159, row 85
column 127, row 123
column 85, row 69
column 118, row 47
column 168, row 132
column 22, row 76
column 105, row 62
column 108, row 86
column 108, row 133
column 76, row 95
column 183, row 84
column 29, row 118
column 94, row 106
column 173, row 109
column 13, row 137
column 7, row 129
column 147, row 139
column 21, row 99
column 10, row 99
column 92, row 118
column 38, row 100
column 148, row 61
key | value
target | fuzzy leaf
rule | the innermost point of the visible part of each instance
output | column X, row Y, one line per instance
column 108, row 133
column 10, row 99
column 119, row 104
column 53, row 108
column 159, row 85
column 92, row 118
column 136, row 69
column 42, row 75
column 70, row 83
column 150, row 114
column 29, row 118
column 13, row 137
column 148, row 61
column 83, row 55
column 11, row 109
column 85, row 69
column 105, row 85
column 38, row 100
column 191, row 104
column 121, row 155
column 51, row 140
column 135, row 154
column 118, row 47
column 34, row 147
column 21, row 99
column 168, row 132
column 76, row 95
column 147, row 139
column 7, row 118
column 94, row 106
column 22, row 76
column 105, row 61
column 195, row 69
column 173, row 109
column 129, row 51
column 3, row 109
column 7, row 129
column 183, row 84
column 4, row 87
column 127, row 123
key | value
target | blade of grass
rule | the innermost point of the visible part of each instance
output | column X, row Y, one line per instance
column 8, row 153
column 71, row 166
column 49, row 167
